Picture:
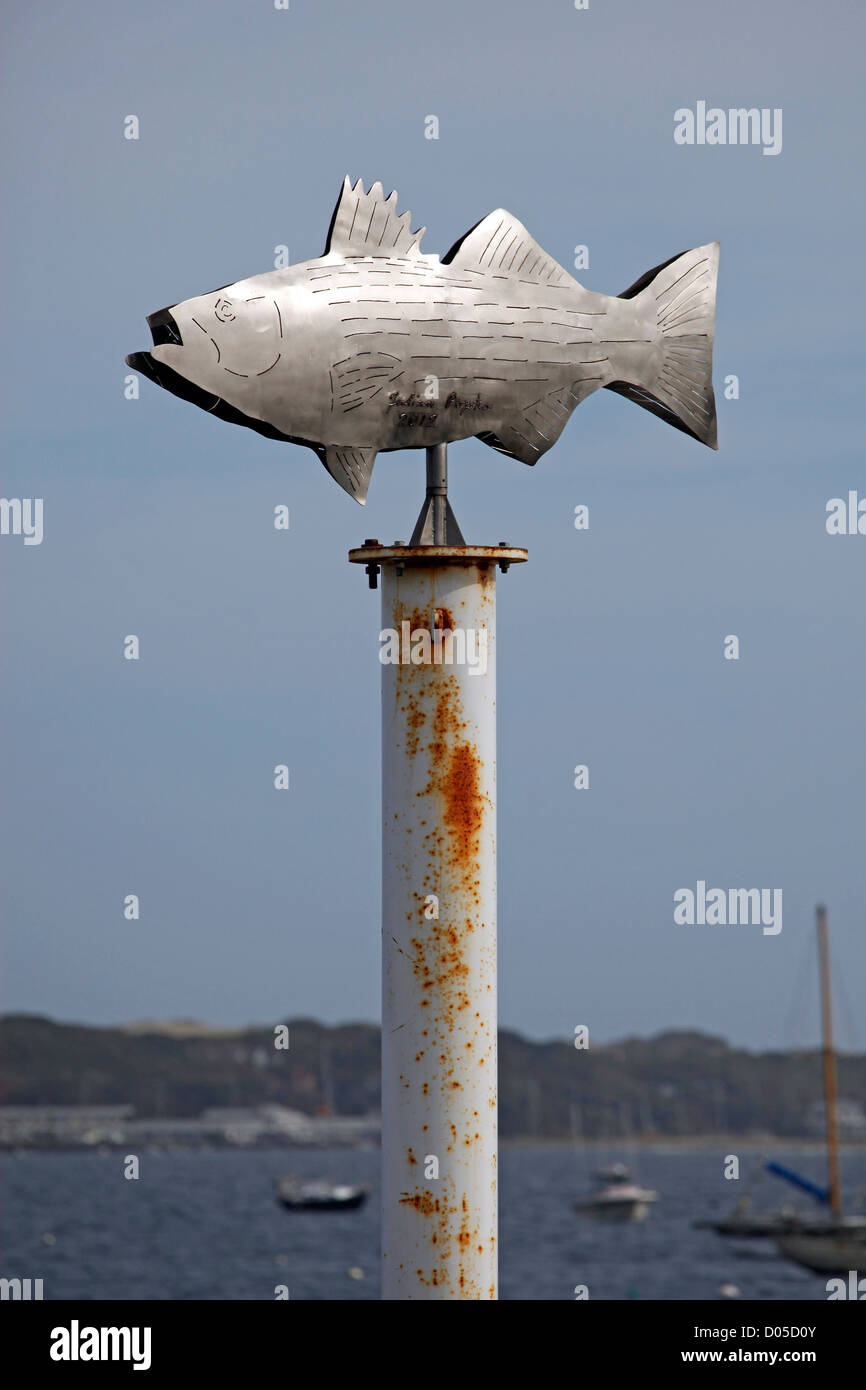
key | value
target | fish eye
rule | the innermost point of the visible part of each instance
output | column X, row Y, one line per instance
column 224, row 311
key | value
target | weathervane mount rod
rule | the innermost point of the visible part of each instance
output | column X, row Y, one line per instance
column 437, row 524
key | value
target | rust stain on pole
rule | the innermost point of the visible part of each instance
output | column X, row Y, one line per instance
column 439, row 1170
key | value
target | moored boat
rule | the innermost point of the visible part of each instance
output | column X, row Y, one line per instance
column 829, row 1247
column 617, row 1198
column 836, row 1243
column 317, row 1196
column 746, row 1224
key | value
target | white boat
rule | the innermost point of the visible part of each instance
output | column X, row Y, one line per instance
column 832, row 1244
column 618, row 1198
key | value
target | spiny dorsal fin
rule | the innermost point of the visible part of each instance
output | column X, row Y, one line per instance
column 500, row 244
column 366, row 224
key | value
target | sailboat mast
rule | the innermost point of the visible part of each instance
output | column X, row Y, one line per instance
column 835, row 1196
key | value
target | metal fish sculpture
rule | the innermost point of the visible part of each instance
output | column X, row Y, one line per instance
column 376, row 346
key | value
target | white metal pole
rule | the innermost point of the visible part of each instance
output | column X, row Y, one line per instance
column 439, row 1083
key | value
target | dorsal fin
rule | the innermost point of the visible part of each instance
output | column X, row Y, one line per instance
column 501, row 244
column 366, row 224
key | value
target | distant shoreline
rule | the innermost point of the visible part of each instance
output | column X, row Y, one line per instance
column 702, row 1142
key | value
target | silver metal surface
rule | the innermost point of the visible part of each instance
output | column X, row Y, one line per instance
column 375, row 346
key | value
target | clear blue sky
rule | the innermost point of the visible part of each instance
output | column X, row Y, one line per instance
column 260, row 647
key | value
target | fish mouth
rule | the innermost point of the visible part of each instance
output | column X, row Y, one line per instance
column 170, row 380
column 163, row 328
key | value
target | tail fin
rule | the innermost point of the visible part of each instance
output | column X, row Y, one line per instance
column 680, row 390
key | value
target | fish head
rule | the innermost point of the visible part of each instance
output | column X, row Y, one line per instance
column 213, row 347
